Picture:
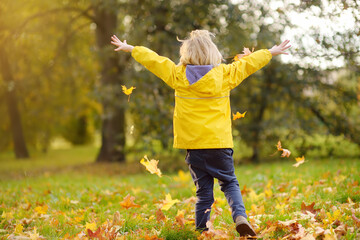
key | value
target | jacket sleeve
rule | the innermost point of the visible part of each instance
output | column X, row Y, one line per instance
column 241, row 69
column 162, row 67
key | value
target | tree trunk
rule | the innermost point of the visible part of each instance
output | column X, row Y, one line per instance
column 12, row 106
column 260, row 117
column 113, row 102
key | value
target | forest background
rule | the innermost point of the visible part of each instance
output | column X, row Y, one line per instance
column 60, row 80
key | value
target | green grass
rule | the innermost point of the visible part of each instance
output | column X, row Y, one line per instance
column 77, row 191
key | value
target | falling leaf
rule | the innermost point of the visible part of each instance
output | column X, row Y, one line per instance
column 151, row 165
column 285, row 153
column 128, row 202
column 246, row 52
column 238, row 115
column 299, row 161
column 127, row 91
column 168, row 202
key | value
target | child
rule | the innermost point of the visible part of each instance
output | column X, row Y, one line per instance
column 202, row 116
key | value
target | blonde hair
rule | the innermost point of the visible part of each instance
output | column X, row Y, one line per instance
column 199, row 49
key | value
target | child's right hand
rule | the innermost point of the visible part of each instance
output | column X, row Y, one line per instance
column 122, row 46
column 277, row 50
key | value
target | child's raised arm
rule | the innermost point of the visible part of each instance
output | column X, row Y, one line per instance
column 122, row 46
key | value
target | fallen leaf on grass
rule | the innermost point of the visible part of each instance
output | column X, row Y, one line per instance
column 160, row 215
column 128, row 202
column 180, row 217
column 94, row 234
column 91, row 226
column 356, row 220
column 309, row 208
column 168, row 202
column 238, row 115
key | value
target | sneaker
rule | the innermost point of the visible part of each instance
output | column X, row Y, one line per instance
column 243, row 227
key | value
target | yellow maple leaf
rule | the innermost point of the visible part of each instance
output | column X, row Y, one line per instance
column 168, row 202
column 128, row 202
column 182, row 177
column 151, row 165
column 19, row 228
column 299, row 161
column 257, row 210
column 127, row 91
column 91, row 226
column 253, row 197
column 246, row 52
column 35, row 235
column 238, row 115
column 7, row 215
column 41, row 209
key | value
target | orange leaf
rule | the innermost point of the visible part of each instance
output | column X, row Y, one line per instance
column 285, row 153
column 279, row 148
column 299, row 161
column 128, row 202
column 246, row 52
column 96, row 234
column 238, row 115
column 245, row 190
column 151, row 165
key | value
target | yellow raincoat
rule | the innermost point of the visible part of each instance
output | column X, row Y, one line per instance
column 202, row 115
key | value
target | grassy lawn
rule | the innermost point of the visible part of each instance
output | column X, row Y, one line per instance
column 62, row 195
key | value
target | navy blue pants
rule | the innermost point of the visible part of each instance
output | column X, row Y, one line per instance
column 205, row 165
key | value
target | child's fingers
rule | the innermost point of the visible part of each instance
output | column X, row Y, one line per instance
column 116, row 38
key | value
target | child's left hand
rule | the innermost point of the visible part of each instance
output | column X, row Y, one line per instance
column 122, row 46
column 277, row 50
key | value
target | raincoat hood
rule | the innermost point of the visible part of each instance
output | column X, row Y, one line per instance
column 195, row 72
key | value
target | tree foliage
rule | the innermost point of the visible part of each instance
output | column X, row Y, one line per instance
column 68, row 79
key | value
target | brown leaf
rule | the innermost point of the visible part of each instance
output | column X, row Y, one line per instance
column 180, row 218
column 356, row 220
column 160, row 215
column 309, row 208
